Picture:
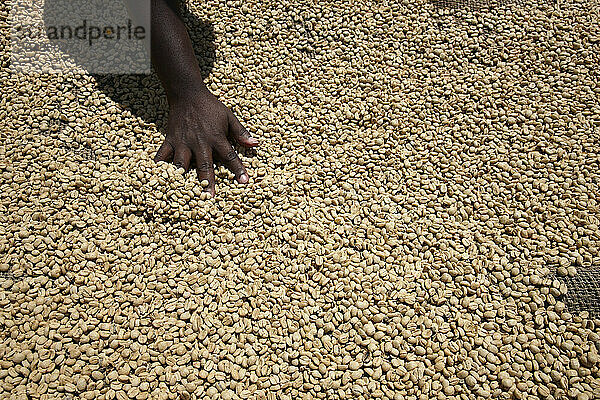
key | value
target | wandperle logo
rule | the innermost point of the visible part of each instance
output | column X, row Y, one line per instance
column 85, row 31
column 80, row 36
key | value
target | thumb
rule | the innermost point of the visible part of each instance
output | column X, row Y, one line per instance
column 239, row 133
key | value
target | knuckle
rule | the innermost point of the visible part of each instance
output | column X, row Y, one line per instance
column 231, row 155
column 203, row 166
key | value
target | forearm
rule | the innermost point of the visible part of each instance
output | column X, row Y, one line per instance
column 172, row 53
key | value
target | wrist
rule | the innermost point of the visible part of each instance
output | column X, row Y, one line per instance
column 184, row 89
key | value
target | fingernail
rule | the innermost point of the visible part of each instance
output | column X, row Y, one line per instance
column 243, row 178
column 252, row 141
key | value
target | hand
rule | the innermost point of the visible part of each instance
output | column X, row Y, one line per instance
column 198, row 127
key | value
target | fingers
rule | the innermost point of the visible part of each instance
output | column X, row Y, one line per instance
column 239, row 133
column 205, row 168
column 230, row 158
column 164, row 153
column 183, row 156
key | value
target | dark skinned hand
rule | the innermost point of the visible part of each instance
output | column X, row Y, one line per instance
column 199, row 124
column 197, row 129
